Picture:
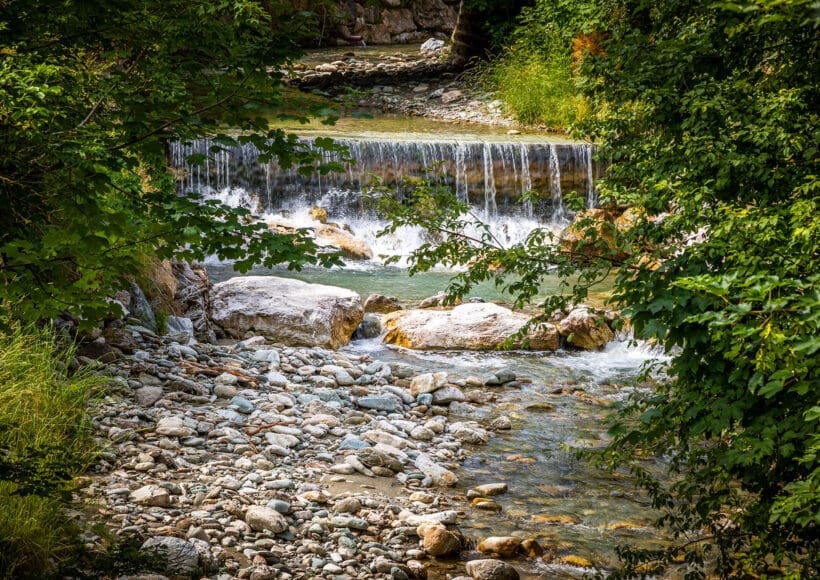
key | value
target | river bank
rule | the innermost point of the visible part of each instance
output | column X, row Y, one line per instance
column 258, row 461
column 402, row 80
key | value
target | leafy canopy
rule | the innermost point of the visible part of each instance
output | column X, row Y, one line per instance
column 708, row 115
column 90, row 94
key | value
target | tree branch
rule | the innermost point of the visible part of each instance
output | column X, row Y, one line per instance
column 172, row 122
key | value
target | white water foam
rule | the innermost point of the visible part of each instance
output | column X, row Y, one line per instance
column 507, row 230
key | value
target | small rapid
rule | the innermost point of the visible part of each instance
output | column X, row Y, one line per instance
column 569, row 507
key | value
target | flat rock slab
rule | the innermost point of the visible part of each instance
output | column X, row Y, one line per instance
column 482, row 326
column 286, row 311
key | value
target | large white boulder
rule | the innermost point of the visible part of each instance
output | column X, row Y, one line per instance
column 481, row 326
column 287, row 311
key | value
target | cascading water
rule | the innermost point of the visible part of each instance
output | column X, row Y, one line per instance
column 511, row 168
column 490, row 175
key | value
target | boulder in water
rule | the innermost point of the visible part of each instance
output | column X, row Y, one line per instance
column 288, row 311
column 371, row 327
column 381, row 304
column 349, row 245
column 491, row 569
column 467, row 326
column 318, row 214
column 504, row 546
column 586, row 330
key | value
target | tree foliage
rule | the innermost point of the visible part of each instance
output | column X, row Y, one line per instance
column 711, row 120
column 90, row 94
column 708, row 115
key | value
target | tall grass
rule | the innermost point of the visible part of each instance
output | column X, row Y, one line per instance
column 45, row 440
column 535, row 89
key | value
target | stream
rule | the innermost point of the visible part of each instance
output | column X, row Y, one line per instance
column 572, row 509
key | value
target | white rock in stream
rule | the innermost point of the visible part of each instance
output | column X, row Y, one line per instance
column 286, row 311
column 482, row 326
column 440, row 475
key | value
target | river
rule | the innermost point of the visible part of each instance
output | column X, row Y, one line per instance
column 572, row 509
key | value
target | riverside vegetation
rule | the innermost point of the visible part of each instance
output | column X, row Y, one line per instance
column 45, row 441
column 708, row 116
column 706, row 112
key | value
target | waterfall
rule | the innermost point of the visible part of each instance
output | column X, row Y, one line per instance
column 489, row 175
column 526, row 179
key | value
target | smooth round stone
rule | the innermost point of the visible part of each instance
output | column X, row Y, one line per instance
column 491, row 489
column 490, row 569
column 242, row 404
column 425, row 399
column 343, row 469
column 279, row 505
column 243, row 463
column 504, row 546
column 485, row 504
column 280, row 484
column 345, row 521
column 332, row 569
column 225, row 391
column 227, row 379
column 348, row 505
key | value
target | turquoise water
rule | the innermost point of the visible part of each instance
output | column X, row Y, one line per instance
column 371, row 278
column 593, row 510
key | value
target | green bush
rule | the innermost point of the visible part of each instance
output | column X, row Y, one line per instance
column 45, row 440
column 535, row 75
column 536, row 90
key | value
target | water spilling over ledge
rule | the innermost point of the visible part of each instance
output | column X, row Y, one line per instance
column 489, row 172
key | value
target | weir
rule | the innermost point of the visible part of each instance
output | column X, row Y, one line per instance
column 490, row 174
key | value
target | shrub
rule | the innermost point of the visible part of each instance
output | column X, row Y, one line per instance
column 536, row 90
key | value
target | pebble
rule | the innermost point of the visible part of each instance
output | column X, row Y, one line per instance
column 491, row 489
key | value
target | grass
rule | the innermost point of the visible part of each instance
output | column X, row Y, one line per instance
column 45, row 440
column 536, row 90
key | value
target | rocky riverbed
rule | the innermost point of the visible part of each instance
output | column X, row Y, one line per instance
column 411, row 81
column 261, row 461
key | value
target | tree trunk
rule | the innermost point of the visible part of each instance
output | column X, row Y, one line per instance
column 469, row 40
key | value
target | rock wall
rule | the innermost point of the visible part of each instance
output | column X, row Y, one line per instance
column 398, row 21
